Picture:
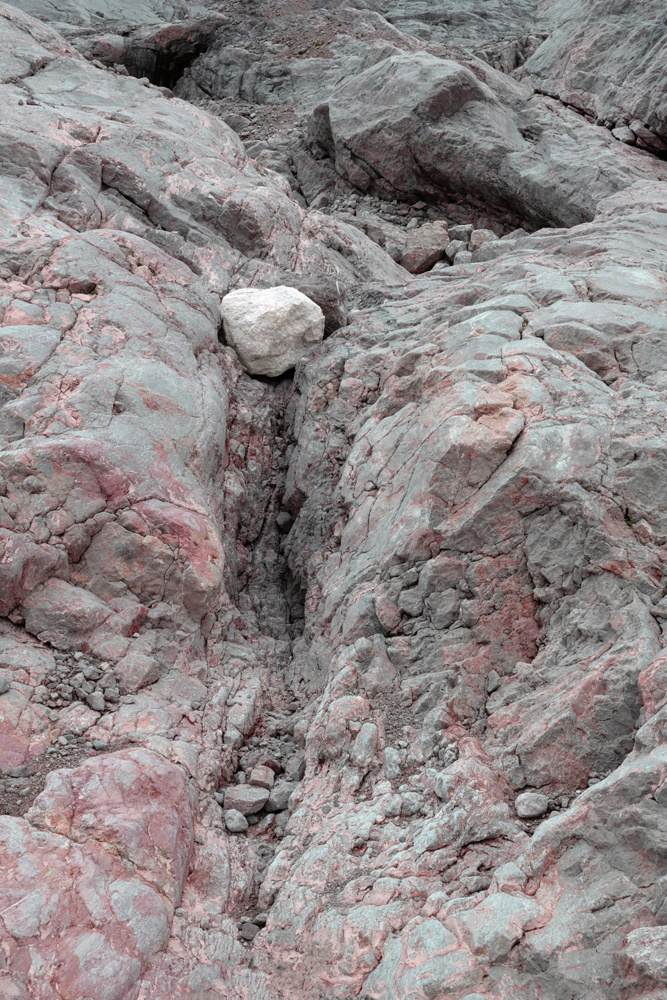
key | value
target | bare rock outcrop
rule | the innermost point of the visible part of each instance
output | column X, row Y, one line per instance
column 606, row 59
column 430, row 127
column 351, row 683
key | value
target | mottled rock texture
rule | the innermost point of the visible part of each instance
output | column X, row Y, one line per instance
column 607, row 58
column 351, row 684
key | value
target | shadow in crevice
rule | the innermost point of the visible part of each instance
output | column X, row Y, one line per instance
column 163, row 68
column 275, row 381
column 162, row 54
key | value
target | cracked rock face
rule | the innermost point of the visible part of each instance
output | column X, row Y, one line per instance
column 351, row 681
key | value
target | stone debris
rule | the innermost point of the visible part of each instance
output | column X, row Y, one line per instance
column 333, row 545
column 424, row 246
column 280, row 796
column 249, row 931
column 262, row 776
column 245, row 799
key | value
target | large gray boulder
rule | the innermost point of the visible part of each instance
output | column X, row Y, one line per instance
column 422, row 126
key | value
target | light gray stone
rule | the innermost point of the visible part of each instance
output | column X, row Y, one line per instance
column 271, row 329
column 96, row 701
column 479, row 237
column 624, row 134
column 246, row 799
column 529, row 805
column 235, row 821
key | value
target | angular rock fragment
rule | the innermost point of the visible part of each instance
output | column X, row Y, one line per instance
column 262, row 776
column 63, row 615
column 271, row 329
column 479, row 237
column 246, row 799
column 136, row 670
column 280, row 795
column 425, row 246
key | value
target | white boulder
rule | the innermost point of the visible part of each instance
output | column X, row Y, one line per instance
column 271, row 329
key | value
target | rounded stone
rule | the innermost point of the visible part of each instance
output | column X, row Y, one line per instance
column 4, row 685
column 249, row 931
column 284, row 522
column 235, row 821
column 529, row 805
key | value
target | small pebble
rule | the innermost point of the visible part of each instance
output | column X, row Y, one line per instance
column 249, row 931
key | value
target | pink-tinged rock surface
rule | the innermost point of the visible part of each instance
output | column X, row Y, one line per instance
column 91, row 876
column 135, row 804
column 402, row 610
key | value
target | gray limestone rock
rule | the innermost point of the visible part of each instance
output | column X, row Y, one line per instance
column 235, row 821
column 424, row 246
column 246, row 799
column 280, row 796
column 528, row 805
column 492, row 143
column 469, row 601
column 602, row 58
column 272, row 329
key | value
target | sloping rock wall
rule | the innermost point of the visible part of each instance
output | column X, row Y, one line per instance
column 349, row 683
